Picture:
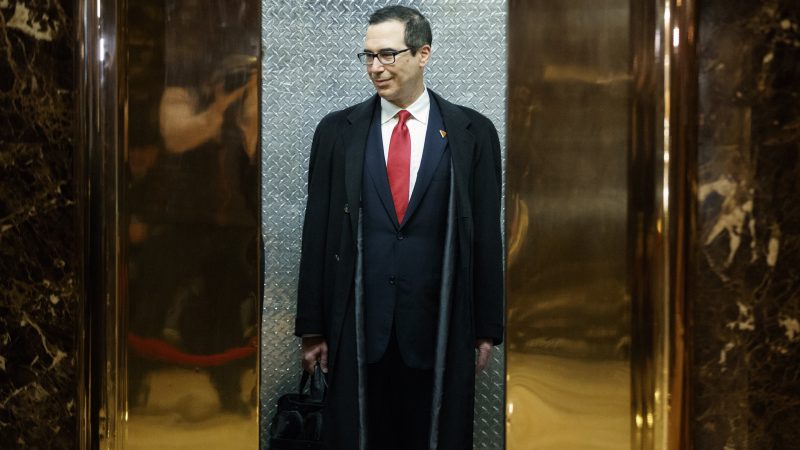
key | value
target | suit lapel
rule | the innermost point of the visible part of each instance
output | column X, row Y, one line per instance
column 432, row 152
column 459, row 138
column 354, row 138
column 376, row 166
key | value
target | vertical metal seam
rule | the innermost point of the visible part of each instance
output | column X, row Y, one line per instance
column 682, row 205
column 116, row 150
column 648, row 219
column 662, row 304
column 97, row 180
column 108, row 193
column 82, row 131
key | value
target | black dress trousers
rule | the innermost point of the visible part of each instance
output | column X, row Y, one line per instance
column 399, row 402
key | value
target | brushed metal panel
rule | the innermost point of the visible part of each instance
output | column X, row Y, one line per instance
column 310, row 69
column 569, row 332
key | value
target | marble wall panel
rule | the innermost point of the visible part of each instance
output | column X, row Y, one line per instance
column 38, row 294
column 746, row 284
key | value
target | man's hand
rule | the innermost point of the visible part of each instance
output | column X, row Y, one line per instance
column 484, row 347
column 315, row 349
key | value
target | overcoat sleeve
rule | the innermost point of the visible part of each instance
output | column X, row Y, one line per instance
column 310, row 314
column 487, row 269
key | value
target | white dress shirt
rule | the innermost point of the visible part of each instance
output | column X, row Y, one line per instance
column 417, row 128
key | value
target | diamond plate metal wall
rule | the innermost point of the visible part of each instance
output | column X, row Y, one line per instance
column 310, row 69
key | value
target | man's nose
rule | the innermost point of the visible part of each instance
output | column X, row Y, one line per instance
column 376, row 66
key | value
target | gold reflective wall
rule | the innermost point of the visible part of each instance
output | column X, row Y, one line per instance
column 191, row 210
column 569, row 317
column 170, row 126
column 601, row 170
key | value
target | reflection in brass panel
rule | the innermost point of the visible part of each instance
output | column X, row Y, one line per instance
column 568, row 338
column 189, row 226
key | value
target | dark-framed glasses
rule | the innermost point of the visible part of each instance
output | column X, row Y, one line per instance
column 386, row 57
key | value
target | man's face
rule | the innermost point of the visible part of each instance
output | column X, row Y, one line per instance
column 401, row 82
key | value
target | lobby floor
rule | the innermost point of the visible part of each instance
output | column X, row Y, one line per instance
column 182, row 411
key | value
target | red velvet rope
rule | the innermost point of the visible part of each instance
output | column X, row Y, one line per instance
column 164, row 351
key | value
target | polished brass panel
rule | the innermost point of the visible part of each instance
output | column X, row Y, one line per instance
column 170, row 130
column 569, row 315
column 601, row 185
column 191, row 227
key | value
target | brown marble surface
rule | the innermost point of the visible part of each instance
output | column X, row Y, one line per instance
column 746, row 290
column 38, row 294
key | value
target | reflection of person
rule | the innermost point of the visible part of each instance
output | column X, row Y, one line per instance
column 393, row 154
column 185, row 126
column 197, row 242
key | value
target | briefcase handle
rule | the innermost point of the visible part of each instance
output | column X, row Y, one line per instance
column 319, row 384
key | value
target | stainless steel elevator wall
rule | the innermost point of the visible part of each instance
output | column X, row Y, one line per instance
column 568, row 372
column 310, row 69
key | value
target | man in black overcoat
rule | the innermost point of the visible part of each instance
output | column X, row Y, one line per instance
column 401, row 267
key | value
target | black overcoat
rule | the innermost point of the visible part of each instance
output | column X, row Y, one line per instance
column 329, row 252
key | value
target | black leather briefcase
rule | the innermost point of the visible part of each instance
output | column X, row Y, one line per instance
column 297, row 423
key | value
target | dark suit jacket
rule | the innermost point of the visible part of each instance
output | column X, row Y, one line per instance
column 403, row 261
column 327, row 265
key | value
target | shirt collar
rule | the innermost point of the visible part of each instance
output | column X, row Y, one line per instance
column 419, row 110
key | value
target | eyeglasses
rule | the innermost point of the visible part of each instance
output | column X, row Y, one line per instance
column 386, row 57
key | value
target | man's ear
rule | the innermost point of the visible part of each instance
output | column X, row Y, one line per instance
column 424, row 53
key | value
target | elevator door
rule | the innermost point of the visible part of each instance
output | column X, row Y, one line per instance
column 189, row 205
column 569, row 333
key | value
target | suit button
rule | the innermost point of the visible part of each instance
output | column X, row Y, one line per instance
column 347, row 208
column 391, row 281
column 400, row 236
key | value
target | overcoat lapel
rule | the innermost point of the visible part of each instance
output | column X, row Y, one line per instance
column 462, row 149
column 354, row 138
column 446, row 290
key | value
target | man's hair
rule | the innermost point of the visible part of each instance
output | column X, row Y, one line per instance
column 417, row 31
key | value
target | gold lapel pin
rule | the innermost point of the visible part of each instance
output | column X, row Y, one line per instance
column 443, row 133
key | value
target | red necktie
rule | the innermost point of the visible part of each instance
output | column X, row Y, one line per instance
column 398, row 164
